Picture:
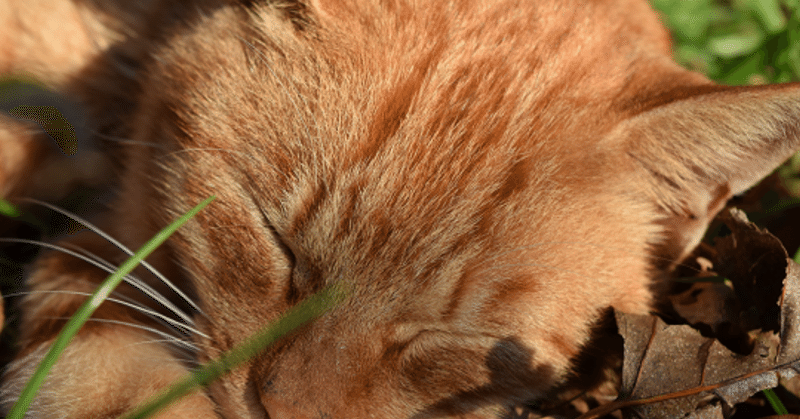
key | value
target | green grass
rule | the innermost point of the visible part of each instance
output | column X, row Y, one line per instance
column 8, row 209
column 740, row 42
column 75, row 323
column 56, row 125
column 299, row 315
column 306, row 311
column 27, row 99
column 737, row 42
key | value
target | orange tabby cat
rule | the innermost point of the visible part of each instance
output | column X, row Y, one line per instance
column 485, row 177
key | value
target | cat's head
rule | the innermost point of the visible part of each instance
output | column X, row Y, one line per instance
column 483, row 178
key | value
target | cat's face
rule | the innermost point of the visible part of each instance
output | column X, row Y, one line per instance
column 484, row 179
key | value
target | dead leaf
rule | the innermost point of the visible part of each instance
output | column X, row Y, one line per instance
column 713, row 308
column 755, row 262
column 675, row 372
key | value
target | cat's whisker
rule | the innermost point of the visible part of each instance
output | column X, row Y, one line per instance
column 125, row 302
column 130, row 279
column 156, row 340
column 189, row 150
column 122, row 68
column 121, row 246
column 122, row 140
column 167, row 337
column 136, row 282
column 27, row 130
column 110, row 268
column 186, row 356
column 242, row 155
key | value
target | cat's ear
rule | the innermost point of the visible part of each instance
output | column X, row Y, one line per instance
column 698, row 147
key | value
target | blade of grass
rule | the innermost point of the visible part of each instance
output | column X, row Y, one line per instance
column 88, row 307
column 311, row 308
column 28, row 99
column 775, row 402
column 8, row 209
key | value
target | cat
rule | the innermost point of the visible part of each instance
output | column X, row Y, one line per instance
column 485, row 177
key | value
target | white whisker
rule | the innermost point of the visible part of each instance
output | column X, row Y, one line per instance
column 119, row 245
column 178, row 353
column 167, row 337
column 138, row 307
column 240, row 154
column 225, row 150
column 110, row 268
column 122, row 140
column 182, row 350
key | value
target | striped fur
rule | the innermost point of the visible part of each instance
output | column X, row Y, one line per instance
column 485, row 177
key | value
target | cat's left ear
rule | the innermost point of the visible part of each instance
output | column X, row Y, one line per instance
column 698, row 147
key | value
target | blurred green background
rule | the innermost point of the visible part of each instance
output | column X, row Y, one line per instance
column 740, row 42
column 736, row 42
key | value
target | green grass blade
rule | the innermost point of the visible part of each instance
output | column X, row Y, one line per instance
column 769, row 13
column 299, row 315
column 88, row 307
column 53, row 122
column 796, row 256
column 8, row 209
column 27, row 99
column 775, row 402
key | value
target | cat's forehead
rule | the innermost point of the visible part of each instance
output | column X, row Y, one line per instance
column 357, row 82
column 444, row 145
column 404, row 123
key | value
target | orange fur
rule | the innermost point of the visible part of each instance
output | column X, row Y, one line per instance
column 485, row 177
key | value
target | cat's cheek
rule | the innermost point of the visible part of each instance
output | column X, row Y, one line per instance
column 277, row 409
column 451, row 374
column 105, row 374
column 236, row 395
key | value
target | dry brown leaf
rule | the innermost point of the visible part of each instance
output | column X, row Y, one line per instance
column 675, row 372
column 712, row 307
column 755, row 262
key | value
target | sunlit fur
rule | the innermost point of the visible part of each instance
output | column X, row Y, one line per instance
column 483, row 177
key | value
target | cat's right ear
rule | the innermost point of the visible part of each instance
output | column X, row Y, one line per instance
column 697, row 147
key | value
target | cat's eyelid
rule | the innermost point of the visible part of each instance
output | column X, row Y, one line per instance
column 276, row 236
